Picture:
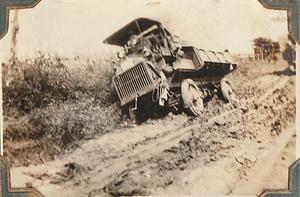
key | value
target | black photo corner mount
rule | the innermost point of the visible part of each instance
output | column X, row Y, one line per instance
column 5, row 184
column 293, row 184
column 6, row 6
column 5, row 180
column 293, row 14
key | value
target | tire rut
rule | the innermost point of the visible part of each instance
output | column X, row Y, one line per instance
column 172, row 138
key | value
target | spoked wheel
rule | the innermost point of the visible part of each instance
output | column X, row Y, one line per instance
column 227, row 91
column 192, row 97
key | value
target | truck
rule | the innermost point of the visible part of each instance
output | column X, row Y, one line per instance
column 156, row 71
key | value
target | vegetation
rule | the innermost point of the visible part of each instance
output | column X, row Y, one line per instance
column 266, row 49
column 53, row 103
column 289, row 51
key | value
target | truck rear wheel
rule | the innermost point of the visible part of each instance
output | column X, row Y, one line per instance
column 192, row 97
column 227, row 91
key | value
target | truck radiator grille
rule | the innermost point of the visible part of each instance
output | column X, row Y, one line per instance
column 133, row 82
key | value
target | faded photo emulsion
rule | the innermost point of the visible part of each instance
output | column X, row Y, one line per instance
column 146, row 97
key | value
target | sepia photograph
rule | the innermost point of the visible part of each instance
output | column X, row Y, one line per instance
column 149, row 97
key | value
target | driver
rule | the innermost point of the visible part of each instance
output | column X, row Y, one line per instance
column 133, row 40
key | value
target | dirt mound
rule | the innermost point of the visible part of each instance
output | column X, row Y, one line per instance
column 264, row 74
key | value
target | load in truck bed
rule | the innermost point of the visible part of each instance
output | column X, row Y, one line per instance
column 195, row 59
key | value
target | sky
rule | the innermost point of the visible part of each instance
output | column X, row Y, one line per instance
column 72, row 27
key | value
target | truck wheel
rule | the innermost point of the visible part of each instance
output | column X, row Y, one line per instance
column 192, row 97
column 227, row 91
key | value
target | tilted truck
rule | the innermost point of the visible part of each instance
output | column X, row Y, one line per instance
column 155, row 70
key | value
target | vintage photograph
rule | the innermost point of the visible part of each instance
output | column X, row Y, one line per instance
column 149, row 97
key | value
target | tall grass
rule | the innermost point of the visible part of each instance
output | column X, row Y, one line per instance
column 52, row 103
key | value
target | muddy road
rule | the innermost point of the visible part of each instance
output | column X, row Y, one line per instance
column 217, row 153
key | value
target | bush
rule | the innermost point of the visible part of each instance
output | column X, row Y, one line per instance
column 266, row 49
column 37, row 84
column 66, row 123
column 46, row 80
column 52, row 103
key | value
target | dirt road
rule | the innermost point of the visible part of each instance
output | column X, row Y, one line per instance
column 218, row 153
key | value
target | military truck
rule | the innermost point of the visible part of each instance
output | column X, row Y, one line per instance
column 155, row 70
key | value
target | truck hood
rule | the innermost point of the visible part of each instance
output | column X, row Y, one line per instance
column 128, row 63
